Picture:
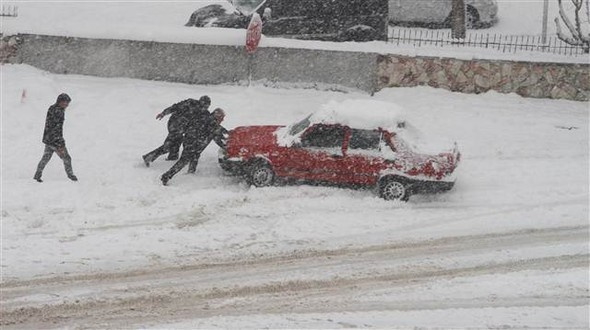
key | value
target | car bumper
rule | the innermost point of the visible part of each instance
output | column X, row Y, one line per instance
column 232, row 165
column 430, row 187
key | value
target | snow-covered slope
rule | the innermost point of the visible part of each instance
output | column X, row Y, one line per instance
column 522, row 188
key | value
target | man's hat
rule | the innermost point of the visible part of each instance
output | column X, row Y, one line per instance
column 205, row 99
column 218, row 111
column 63, row 97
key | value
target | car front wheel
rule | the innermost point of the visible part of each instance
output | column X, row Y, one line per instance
column 392, row 189
column 261, row 175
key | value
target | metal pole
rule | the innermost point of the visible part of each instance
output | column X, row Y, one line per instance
column 545, row 14
column 250, row 63
column 458, row 19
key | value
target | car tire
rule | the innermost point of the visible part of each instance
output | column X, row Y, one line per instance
column 471, row 18
column 393, row 188
column 359, row 33
column 261, row 174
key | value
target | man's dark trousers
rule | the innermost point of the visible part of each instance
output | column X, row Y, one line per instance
column 48, row 153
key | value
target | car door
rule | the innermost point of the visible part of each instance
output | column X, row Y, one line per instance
column 427, row 11
column 363, row 161
column 395, row 10
column 319, row 156
column 287, row 17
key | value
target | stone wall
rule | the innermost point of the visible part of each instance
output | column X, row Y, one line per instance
column 313, row 68
column 543, row 80
column 185, row 63
column 8, row 48
column 198, row 64
column 369, row 72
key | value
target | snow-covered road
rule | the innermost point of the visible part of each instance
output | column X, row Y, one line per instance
column 508, row 245
column 498, row 271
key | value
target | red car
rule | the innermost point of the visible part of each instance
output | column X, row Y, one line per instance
column 356, row 142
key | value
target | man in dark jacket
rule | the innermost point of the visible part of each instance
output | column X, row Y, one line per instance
column 181, row 113
column 200, row 131
column 53, row 138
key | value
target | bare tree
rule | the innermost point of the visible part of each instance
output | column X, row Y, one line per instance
column 458, row 29
column 577, row 36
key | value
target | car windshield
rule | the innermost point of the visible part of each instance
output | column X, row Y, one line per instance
column 300, row 126
column 246, row 6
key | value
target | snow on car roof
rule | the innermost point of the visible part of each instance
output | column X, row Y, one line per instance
column 360, row 114
column 354, row 113
column 364, row 114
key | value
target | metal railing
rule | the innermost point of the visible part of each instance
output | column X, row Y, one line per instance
column 9, row 11
column 496, row 42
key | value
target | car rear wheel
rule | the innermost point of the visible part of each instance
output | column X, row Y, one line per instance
column 261, row 174
column 358, row 33
column 392, row 189
column 471, row 17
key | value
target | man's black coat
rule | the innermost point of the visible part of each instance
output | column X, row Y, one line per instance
column 53, row 133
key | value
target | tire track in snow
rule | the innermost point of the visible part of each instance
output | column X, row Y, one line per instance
column 198, row 302
column 193, row 287
column 452, row 243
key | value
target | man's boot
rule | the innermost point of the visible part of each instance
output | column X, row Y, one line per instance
column 146, row 160
column 37, row 177
column 192, row 167
column 165, row 179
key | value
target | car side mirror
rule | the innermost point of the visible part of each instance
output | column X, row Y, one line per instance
column 267, row 14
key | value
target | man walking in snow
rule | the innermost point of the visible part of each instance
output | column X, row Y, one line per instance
column 203, row 128
column 53, row 138
column 181, row 113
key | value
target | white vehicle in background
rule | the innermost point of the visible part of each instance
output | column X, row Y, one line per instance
column 437, row 13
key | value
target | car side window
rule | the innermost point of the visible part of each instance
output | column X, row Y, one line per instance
column 323, row 136
column 361, row 139
column 278, row 8
column 246, row 5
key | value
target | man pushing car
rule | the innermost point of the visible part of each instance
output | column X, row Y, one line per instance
column 181, row 114
column 202, row 128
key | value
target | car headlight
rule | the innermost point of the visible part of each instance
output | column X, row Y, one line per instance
column 435, row 165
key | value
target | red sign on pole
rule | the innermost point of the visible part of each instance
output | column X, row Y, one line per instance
column 254, row 33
